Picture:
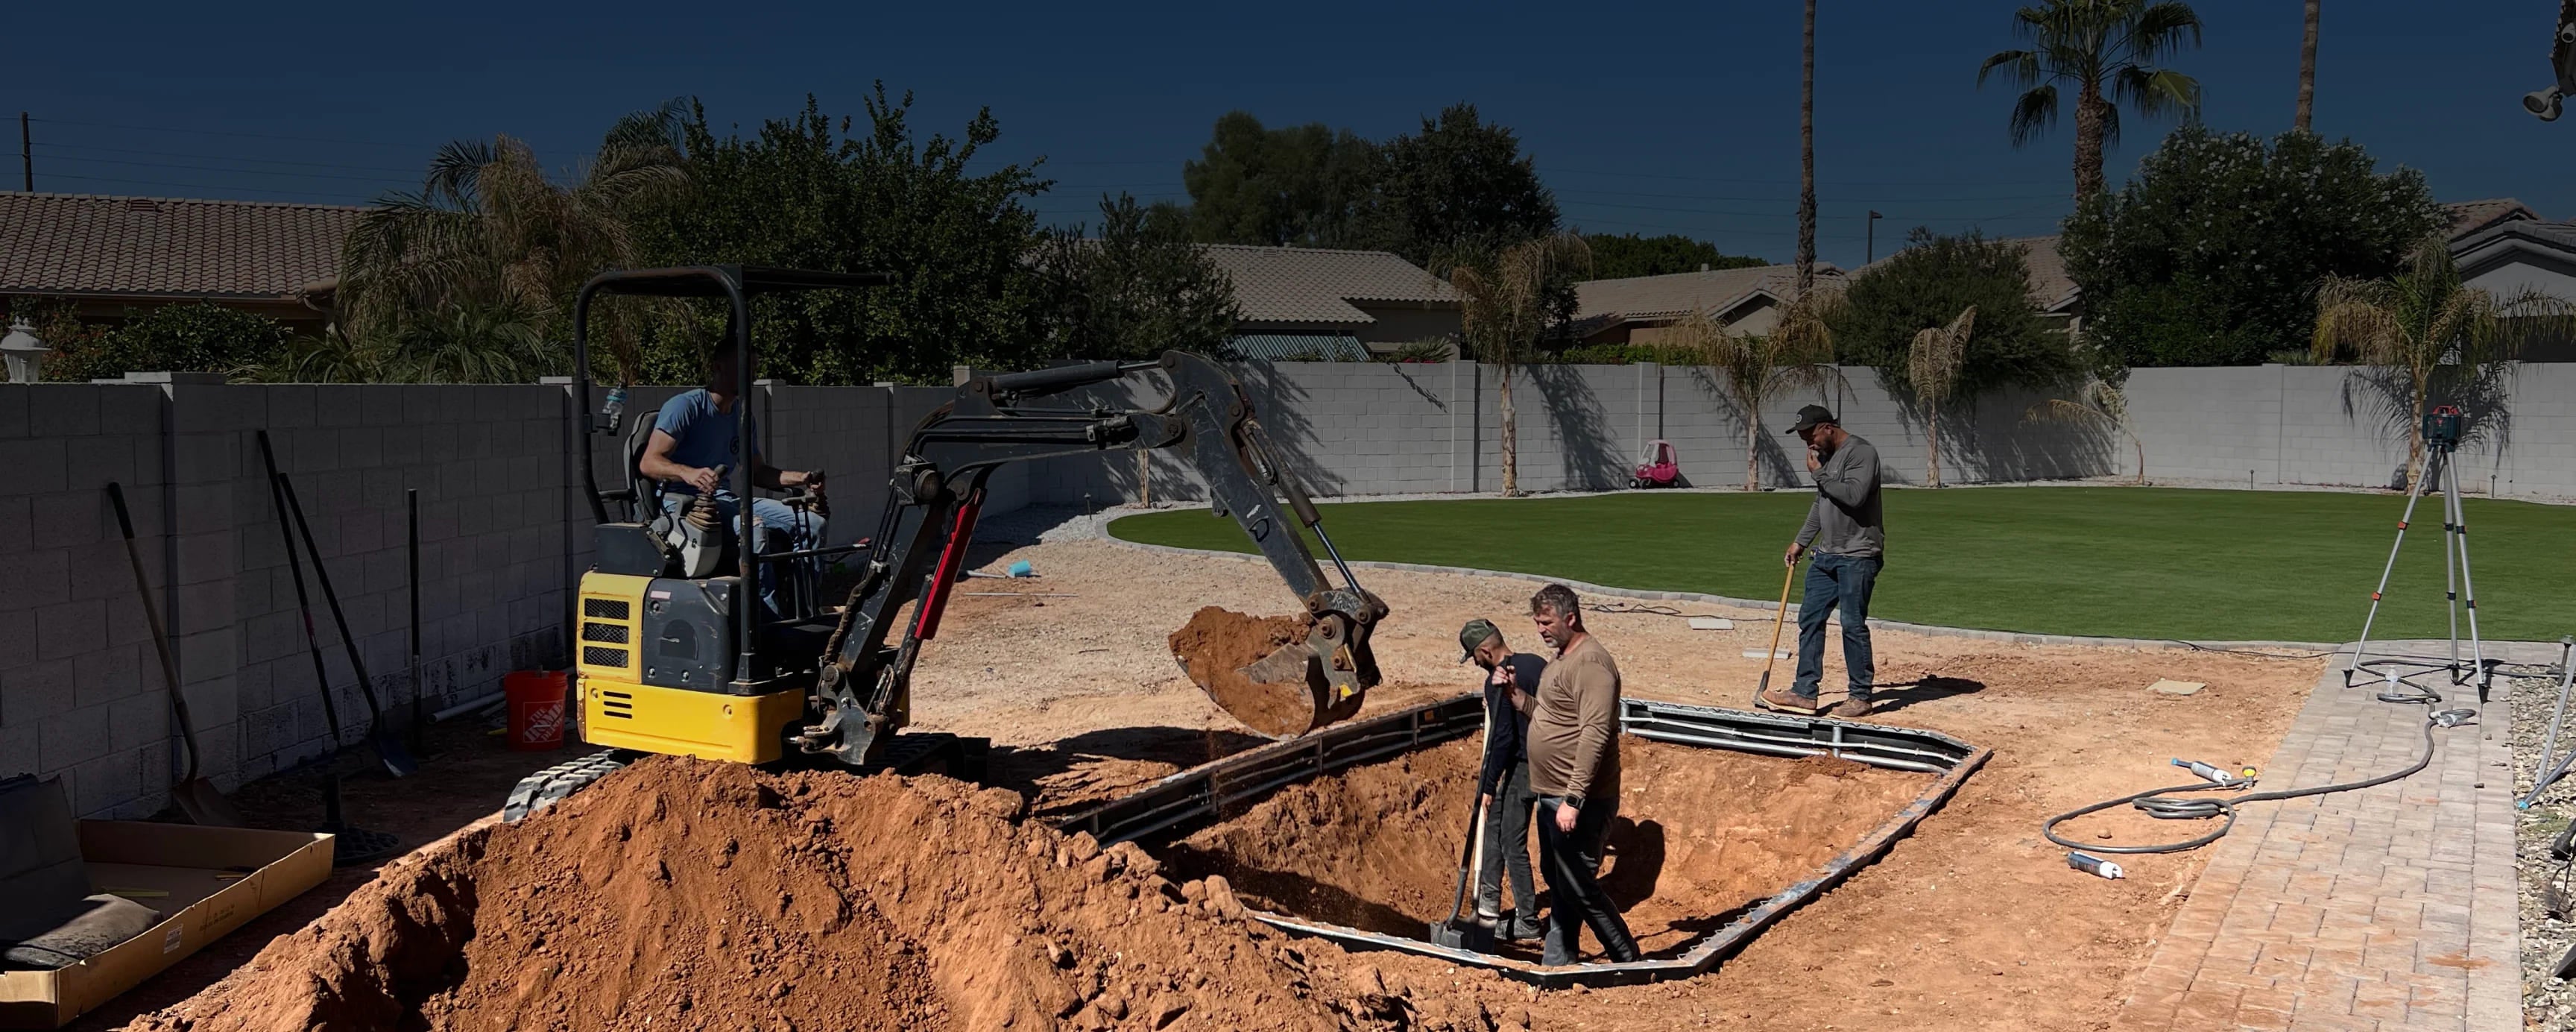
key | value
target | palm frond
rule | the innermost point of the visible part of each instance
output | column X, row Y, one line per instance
column 2020, row 68
column 2158, row 31
column 2060, row 410
column 2034, row 113
column 1938, row 354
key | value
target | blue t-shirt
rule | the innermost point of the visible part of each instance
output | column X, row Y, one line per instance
column 704, row 436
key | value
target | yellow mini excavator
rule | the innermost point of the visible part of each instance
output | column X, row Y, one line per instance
column 676, row 653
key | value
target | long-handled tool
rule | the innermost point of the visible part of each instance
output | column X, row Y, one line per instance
column 277, row 491
column 388, row 745
column 1771, row 656
column 197, row 797
column 1467, row 933
column 419, row 708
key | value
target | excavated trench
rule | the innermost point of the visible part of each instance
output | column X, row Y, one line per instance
column 1702, row 835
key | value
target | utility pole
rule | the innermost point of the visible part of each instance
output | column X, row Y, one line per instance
column 1874, row 216
column 26, row 153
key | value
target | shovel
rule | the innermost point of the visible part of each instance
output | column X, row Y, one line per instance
column 1771, row 656
column 397, row 760
column 1466, row 933
column 388, row 745
column 196, row 796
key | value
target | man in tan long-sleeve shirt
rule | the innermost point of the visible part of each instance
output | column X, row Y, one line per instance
column 1574, row 772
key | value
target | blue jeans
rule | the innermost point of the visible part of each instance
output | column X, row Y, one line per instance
column 775, row 528
column 1833, row 581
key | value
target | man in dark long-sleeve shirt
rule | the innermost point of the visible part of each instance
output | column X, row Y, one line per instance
column 1849, row 536
column 1502, row 785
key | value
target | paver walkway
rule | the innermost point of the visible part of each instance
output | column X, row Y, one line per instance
column 2380, row 909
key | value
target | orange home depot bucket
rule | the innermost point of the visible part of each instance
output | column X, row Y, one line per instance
column 536, row 708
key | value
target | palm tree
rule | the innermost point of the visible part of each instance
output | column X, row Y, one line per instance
column 2108, row 49
column 2097, row 401
column 1504, row 309
column 490, row 234
column 1755, row 371
column 2423, row 320
column 1939, row 353
column 2307, row 72
column 1807, row 158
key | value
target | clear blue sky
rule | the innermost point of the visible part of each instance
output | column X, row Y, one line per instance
column 1650, row 118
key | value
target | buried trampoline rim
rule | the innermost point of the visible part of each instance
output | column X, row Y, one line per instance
column 1209, row 790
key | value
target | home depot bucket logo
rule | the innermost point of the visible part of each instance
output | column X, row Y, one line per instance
column 542, row 722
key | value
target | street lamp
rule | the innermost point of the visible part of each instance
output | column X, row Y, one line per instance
column 25, row 352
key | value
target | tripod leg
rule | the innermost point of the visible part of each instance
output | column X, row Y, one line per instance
column 2468, row 587
column 2444, row 479
column 2414, row 494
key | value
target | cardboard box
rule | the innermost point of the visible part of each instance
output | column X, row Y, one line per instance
column 185, row 861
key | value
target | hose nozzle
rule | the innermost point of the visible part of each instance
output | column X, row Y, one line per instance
column 2205, row 772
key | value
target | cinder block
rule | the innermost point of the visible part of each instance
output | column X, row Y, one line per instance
column 108, row 782
column 35, row 466
column 108, row 674
column 67, row 629
column 63, row 410
column 139, row 721
column 72, row 738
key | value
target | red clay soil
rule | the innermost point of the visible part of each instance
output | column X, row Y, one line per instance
column 1701, row 834
column 686, row 894
column 1217, row 643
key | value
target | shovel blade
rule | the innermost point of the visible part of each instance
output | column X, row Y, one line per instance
column 389, row 749
column 204, row 806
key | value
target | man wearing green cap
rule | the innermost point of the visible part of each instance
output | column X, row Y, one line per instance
column 1502, row 786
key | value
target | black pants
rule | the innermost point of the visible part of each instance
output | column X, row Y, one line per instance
column 1571, row 863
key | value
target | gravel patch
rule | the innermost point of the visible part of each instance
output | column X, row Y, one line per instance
column 2547, row 1002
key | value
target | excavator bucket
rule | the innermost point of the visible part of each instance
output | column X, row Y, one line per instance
column 1282, row 676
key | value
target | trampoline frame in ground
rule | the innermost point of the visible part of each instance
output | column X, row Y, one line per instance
column 1226, row 787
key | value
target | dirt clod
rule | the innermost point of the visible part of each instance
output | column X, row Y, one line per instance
column 922, row 908
column 1218, row 643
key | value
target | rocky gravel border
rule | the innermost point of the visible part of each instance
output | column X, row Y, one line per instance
column 2547, row 1002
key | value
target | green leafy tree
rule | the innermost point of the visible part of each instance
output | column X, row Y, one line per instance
column 1301, row 186
column 1628, row 254
column 1926, row 285
column 2211, row 256
column 2108, row 51
column 1506, row 307
column 1138, row 289
column 1458, row 189
column 192, row 338
column 2430, row 334
column 492, row 233
column 801, row 193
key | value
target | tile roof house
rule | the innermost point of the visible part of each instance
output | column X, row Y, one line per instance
column 2471, row 216
column 1642, row 309
column 2508, row 257
column 1299, row 302
column 112, row 254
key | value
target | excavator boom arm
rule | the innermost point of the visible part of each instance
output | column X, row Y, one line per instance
column 862, row 695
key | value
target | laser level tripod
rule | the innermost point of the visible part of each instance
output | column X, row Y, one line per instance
column 2441, row 441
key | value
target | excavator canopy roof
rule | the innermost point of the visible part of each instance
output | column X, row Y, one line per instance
column 710, row 280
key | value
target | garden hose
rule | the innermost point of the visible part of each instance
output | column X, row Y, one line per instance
column 2161, row 804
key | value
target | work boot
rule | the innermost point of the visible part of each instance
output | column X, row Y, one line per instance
column 1521, row 928
column 1852, row 708
column 1786, row 701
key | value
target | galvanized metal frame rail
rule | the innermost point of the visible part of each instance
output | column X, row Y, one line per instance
column 1224, row 788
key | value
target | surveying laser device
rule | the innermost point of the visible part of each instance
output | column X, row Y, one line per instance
column 2442, row 431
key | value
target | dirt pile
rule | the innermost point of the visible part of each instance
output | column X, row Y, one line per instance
column 1216, row 644
column 688, row 894
column 1701, row 834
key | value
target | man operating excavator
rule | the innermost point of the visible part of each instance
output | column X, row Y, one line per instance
column 693, row 443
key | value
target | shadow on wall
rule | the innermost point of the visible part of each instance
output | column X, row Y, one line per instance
column 2383, row 396
column 1989, row 438
column 1281, row 405
column 1587, row 448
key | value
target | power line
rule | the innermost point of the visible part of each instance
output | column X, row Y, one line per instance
column 224, row 132
column 48, row 146
column 233, row 171
column 1793, row 182
column 301, row 195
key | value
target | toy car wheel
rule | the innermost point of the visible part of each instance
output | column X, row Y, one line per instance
column 1635, row 483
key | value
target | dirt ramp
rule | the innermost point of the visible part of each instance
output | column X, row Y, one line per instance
column 686, row 894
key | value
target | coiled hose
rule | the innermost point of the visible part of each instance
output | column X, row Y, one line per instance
column 2161, row 804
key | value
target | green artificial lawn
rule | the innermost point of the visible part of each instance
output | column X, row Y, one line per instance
column 2109, row 561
